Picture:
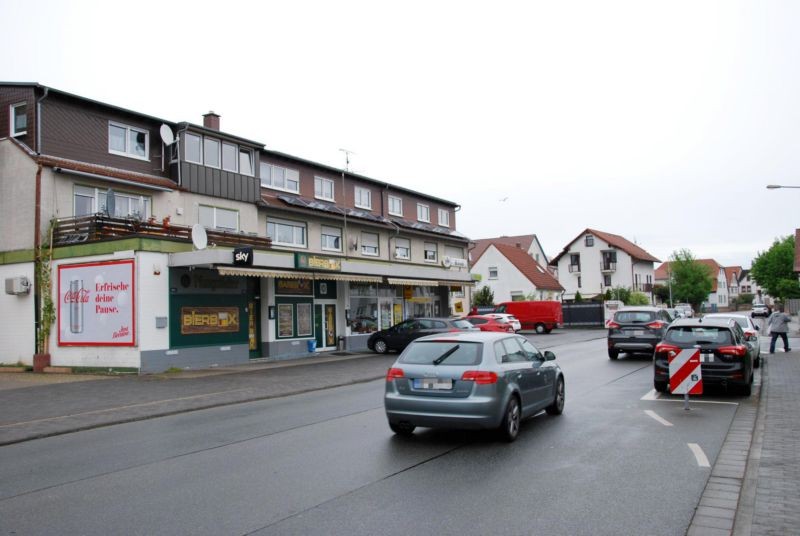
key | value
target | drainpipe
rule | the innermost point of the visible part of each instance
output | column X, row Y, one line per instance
column 37, row 231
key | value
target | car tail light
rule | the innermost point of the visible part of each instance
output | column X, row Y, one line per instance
column 749, row 336
column 664, row 347
column 453, row 330
column 394, row 374
column 657, row 324
column 481, row 377
column 612, row 325
column 738, row 351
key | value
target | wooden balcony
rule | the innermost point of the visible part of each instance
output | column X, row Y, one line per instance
column 99, row 227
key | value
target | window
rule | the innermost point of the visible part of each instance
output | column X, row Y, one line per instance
column 219, row 218
column 517, row 295
column 454, row 252
column 369, row 244
column 210, row 152
column 363, row 198
column 444, row 217
column 229, row 157
column 92, row 200
column 287, row 233
column 579, row 281
column 245, row 161
column 607, row 280
column 395, row 206
column 128, row 141
column 575, row 262
column 430, row 252
column 402, row 248
column 423, row 213
column 493, row 272
column 323, row 188
column 19, row 119
column 193, row 142
column 331, row 238
column 589, row 241
column 280, row 178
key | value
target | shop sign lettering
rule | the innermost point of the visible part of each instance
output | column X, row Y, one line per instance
column 243, row 257
column 204, row 320
column 294, row 287
column 305, row 261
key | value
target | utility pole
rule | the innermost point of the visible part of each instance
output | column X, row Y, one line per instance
column 345, row 237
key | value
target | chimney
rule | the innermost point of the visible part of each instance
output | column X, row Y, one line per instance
column 211, row 120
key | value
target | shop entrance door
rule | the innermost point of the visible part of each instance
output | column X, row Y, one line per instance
column 325, row 325
column 254, row 328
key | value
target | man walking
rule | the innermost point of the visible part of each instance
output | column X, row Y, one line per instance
column 778, row 324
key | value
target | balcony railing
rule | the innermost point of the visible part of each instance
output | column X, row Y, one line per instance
column 608, row 266
column 99, row 227
column 574, row 268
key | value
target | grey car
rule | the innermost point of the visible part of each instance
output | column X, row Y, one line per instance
column 750, row 332
column 472, row 380
column 636, row 329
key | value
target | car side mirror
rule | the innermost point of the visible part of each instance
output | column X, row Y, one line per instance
column 549, row 356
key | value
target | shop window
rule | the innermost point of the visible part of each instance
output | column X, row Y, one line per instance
column 363, row 308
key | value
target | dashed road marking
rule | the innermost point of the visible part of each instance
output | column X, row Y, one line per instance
column 657, row 417
column 700, row 456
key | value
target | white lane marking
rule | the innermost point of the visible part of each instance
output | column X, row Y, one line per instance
column 656, row 416
column 663, row 397
column 651, row 395
column 700, row 456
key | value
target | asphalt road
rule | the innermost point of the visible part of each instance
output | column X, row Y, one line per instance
column 616, row 462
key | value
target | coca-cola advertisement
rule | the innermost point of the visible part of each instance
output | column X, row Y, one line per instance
column 96, row 304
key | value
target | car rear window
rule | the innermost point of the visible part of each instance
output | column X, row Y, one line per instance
column 634, row 317
column 477, row 321
column 739, row 320
column 699, row 335
column 462, row 324
column 426, row 352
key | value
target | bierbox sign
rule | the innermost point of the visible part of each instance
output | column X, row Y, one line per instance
column 307, row 261
column 243, row 257
column 97, row 304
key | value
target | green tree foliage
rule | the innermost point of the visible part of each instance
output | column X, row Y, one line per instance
column 483, row 297
column 661, row 292
column 691, row 281
column 578, row 297
column 638, row 298
column 622, row 294
column 773, row 270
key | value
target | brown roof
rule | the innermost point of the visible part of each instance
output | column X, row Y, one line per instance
column 797, row 250
column 662, row 271
column 732, row 273
column 522, row 241
column 617, row 241
column 539, row 276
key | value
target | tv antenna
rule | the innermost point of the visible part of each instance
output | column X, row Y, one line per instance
column 347, row 154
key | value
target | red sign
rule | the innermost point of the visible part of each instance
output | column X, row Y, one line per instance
column 685, row 373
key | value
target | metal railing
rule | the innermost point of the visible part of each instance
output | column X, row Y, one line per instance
column 608, row 266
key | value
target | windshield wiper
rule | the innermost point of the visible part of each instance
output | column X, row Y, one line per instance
column 445, row 355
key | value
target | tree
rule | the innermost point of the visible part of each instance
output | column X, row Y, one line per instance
column 483, row 297
column 578, row 297
column 691, row 281
column 773, row 270
column 661, row 292
column 622, row 294
column 638, row 298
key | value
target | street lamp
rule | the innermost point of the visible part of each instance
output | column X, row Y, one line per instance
column 776, row 186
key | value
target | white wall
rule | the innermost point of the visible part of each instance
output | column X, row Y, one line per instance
column 17, row 329
column 508, row 277
column 17, row 198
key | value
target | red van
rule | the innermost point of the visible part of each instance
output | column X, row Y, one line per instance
column 541, row 316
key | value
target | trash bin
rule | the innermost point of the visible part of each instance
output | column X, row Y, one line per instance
column 312, row 345
column 340, row 343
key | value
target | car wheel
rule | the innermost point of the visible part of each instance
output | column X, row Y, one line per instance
column 509, row 428
column 557, row 407
column 402, row 428
column 380, row 346
column 539, row 328
column 613, row 354
column 661, row 387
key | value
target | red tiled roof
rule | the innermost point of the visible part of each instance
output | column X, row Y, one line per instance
column 732, row 273
column 662, row 271
column 617, row 241
column 539, row 276
column 797, row 250
column 481, row 244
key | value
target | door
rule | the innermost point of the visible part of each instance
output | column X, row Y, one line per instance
column 253, row 329
column 325, row 325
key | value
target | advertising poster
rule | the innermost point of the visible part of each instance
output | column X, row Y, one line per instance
column 96, row 304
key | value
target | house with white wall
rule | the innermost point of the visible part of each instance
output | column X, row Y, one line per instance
column 528, row 243
column 596, row 261
column 719, row 297
column 514, row 275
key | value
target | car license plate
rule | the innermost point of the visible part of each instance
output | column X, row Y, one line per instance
column 636, row 332
column 706, row 358
column 433, row 383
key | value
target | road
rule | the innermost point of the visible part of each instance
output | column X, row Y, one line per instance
column 617, row 461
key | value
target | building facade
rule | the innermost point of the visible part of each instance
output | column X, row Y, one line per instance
column 179, row 245
column 513, row 275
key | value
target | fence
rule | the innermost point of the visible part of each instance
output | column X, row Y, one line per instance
column 792, row 306
column 583, row 314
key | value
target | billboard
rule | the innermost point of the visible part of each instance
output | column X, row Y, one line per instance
column 96, row 304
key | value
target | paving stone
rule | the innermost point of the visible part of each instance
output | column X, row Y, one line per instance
column 713, row 522
column 710, row 511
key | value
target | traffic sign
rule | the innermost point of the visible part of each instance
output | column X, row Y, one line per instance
column 685, row 373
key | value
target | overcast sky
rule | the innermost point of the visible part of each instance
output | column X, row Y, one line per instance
column 659, row 121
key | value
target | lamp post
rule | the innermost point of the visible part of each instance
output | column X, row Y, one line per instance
column 776, row 186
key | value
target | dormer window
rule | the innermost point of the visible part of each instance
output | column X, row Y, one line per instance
column 323, row 188
column 128, row 141
column 444, row 218
column 395, row 206
column 363, row 198
column 589, row 240
column 19, row 119
column 423, row 213
column 280, row 178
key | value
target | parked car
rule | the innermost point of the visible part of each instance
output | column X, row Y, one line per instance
column 750, row 333
column 674, row 313
column 511, row 319
column 481, row 309
column 487, row 323
column 400, row 335
column 685, row 309
column 472, row 380
column 760, row 309
column 725, row 357
column 542, row 316
column 635, row 329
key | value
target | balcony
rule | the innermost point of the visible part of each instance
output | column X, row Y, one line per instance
column 99, row 227
column 608, row 267
column 575, row 269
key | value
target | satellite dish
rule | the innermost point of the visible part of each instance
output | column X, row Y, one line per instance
column 166, row 135
column 199, row 236
column 111, row 203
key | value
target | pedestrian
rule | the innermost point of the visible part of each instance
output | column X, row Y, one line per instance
column 778, row 325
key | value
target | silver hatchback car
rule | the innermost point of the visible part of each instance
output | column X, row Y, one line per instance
column 483, row 380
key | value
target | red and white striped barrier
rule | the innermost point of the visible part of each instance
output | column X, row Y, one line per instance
column 685, row 373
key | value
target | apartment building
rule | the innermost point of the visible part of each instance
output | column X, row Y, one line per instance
column 177, row 244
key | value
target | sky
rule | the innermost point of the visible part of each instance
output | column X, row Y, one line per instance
column 659, row 121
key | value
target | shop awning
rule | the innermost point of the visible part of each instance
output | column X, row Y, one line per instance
column 457, row 283
column 349, row 277
column 260, row 272
column 412, row 282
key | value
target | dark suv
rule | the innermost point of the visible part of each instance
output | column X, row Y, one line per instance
column 400, row 335
column 636, row 329
column 725, row 357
